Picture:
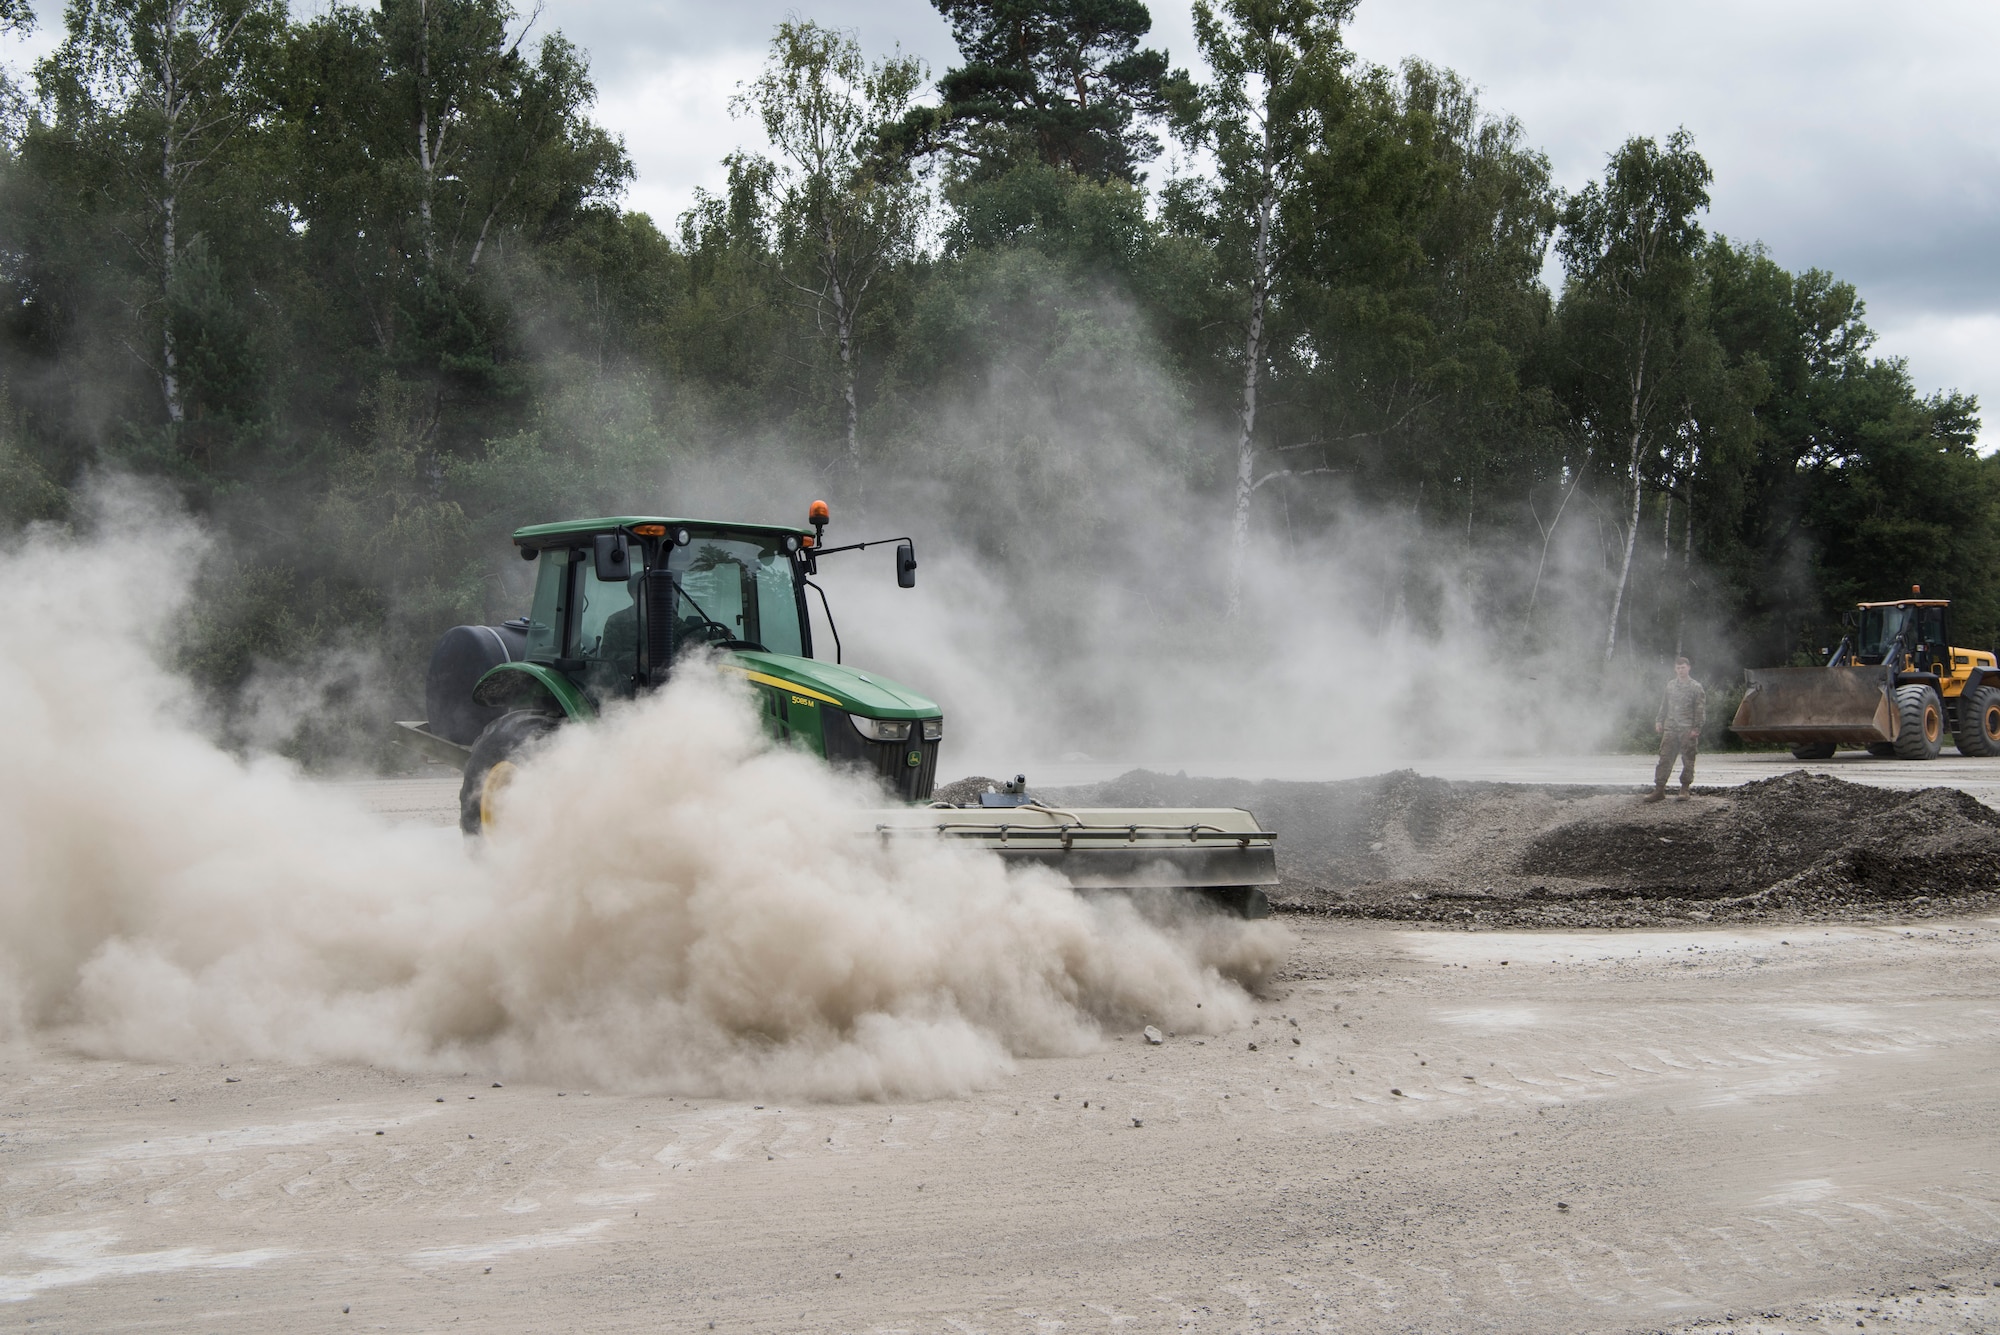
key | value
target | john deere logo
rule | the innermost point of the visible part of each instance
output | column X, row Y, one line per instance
column 914, row 759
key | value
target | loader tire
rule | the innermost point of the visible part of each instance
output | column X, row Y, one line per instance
column 504, row 743
column 1919, row 723
column 1813, row 751
column 1882, row 750
column 1978, row 730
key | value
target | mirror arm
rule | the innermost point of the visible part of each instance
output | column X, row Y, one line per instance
column 828, row 609
column 857, row 546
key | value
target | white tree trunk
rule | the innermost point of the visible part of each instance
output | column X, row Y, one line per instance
column 1631, row 540
column 1253, row 358
column 171, row 97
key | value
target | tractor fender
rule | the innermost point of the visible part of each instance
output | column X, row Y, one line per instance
column 533, row 686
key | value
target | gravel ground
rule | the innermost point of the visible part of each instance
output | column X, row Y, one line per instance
column 1794, row 847
column 1751, row 1128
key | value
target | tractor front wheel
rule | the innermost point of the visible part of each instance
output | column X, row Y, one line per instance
column 1978, row 730
column 1919, row 723
column 503, row 744
column 1813, row 751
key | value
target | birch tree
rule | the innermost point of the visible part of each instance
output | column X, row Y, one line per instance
column 1272, row 60
column 162, row 85
column 844, row 212
column 1633, row 330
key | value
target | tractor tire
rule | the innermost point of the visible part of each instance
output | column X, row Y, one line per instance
column 1919, row 723
column 1882, row 750
column 503, row 745
column 1978, row 730
column 1813, row 751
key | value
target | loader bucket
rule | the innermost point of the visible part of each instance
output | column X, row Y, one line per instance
column 1836, row 704
column 1220, row 852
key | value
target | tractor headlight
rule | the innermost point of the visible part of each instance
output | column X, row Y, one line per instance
column 933, row 729
column 882, row 729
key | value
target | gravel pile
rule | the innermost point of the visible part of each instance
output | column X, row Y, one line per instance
column 1797, row 847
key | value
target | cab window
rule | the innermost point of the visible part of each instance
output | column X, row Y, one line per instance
column 546, row 615
column 738, row 591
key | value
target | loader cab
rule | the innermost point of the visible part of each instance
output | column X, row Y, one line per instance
column 1920, row 624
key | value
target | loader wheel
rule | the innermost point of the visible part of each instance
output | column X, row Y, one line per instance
column 1813, row 751
column 1919, row 723
column 1882, row 750
column 1978, row 730
column 502, row 746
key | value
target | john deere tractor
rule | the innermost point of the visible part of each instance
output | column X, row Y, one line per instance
column 1895, row 685
column 618, row 601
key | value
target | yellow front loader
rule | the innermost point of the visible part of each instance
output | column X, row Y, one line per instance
column 1895, row 686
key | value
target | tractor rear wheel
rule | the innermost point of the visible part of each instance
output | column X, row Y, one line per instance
column 1978, row 730
column 1919, row 723
column 504, row 743
column 1813, row 751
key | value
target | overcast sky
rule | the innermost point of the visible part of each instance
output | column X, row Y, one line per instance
column 1861, row 138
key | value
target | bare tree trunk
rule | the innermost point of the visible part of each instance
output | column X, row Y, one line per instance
column 1549, row 533
column 1253, row 357
column 1687, row 579
column 843, row 327
column 171, row 95
column 427, row 156
column 1631, row 540
column 1638, row 496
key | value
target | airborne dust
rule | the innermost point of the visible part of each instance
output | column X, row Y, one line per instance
column 674, row 904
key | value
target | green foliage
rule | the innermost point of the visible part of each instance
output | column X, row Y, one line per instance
column 382, row 305
column 1062, row 81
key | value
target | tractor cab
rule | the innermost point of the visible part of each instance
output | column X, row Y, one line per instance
column 737, row 587
column 619, row 600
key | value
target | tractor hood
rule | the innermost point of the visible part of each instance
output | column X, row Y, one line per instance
column 847, row 688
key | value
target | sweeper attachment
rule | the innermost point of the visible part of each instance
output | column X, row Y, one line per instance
column 1895, row 685
column 618, row 599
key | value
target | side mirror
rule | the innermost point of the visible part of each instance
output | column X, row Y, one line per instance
column 906, row 565
column 614, row 558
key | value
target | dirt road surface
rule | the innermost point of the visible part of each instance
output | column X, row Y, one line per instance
column 1703, row 1126
column 1769, row 1128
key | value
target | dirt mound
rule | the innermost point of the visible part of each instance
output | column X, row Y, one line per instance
column 1402, row 846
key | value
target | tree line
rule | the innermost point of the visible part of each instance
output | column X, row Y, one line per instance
column 359, row 287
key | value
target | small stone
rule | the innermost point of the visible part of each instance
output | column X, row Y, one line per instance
column 1397, row 1092
column 343, row 1309
column 1562, row 1205
column 440, row 1100
column 381, row 1133
column 232, row 1080
column 496, row 1084
column 1137, row 1122
column 1253, row 1047
column 1295, row 1041
column 1153, row 1036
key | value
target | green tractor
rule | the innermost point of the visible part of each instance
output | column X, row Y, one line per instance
column 617, row 600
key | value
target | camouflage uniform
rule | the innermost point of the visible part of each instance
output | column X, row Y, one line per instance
column 1682, row 709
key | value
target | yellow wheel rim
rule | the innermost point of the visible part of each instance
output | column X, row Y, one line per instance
column 496, row 783
column 1933, row 725
column 1993, row 723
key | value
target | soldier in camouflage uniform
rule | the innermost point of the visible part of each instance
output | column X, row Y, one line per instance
column 1682, row 709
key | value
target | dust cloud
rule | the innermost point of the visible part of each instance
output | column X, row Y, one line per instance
column 672, row 902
